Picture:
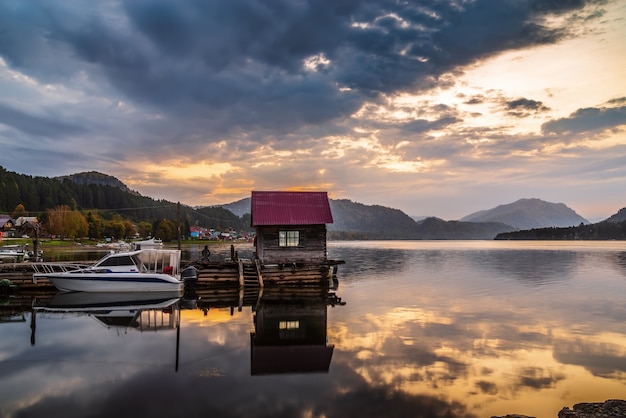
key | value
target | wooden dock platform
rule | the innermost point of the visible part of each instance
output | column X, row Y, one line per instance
column 242, row 273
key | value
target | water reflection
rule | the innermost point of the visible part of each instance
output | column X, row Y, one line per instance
column 121, row 311
column 290, row 324
column 290, row 337
column 426, row 331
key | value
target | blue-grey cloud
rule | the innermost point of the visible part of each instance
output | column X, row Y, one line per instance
column 523, row 107
column 587, row 120
column 46, row 126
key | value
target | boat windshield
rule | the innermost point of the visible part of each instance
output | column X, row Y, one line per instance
column 123, row 261
column 140, row 265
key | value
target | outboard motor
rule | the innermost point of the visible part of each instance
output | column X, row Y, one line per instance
column 189, row 275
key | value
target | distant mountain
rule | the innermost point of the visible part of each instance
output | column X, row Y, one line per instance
column 435, row 228
column 528, row 214
column 620, row 216
column 240, row 207
column 353, row 220
column 93, row 177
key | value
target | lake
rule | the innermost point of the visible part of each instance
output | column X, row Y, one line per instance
column 415, row 328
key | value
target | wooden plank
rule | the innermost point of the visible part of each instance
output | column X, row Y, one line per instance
column 257, row 262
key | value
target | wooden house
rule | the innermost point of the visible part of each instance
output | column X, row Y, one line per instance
column 27, row 225
column 6, row 223
column 290, row 226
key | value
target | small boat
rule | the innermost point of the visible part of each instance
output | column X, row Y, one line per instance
column 118, row 245
column 12, row 254
column 146, row 270
column 149, row 243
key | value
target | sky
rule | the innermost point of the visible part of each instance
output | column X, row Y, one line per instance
column 435, row 107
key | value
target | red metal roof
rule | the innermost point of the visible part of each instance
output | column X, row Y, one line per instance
column 290, row 208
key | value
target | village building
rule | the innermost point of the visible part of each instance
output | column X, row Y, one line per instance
column 6, row 223
column 27, row 225
column 290, row 226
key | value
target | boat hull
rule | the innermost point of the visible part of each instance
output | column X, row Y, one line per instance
column 115, row 282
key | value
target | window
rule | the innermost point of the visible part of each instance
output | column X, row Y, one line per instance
column 290, row 330
column 288, row 238
column 282, row 325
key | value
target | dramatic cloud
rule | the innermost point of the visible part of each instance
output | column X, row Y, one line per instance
column 328, row 94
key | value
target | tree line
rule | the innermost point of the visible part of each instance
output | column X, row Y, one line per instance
column 599, row 231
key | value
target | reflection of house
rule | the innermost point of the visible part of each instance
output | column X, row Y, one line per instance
column 290, row 337
column 290, row 226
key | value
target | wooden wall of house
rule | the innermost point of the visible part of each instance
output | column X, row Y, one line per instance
column 312, row 246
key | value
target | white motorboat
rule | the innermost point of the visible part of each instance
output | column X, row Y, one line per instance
column 146, row 270
column 146, row 244
column 12, row 254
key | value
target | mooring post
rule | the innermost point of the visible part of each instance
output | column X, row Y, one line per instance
column 241, row 281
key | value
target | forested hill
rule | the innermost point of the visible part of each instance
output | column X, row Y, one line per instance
column 104, row 196
column 93, row 177
column 373, row 222
column 610, row 229
column 38, row 194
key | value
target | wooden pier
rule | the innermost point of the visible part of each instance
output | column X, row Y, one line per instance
column 252, row 273
column 242, row 273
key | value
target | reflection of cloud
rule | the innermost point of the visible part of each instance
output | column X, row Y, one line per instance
column 489, row 388
column 538, row 378
column 603, row 359
column 163, row 394
column 385, row 402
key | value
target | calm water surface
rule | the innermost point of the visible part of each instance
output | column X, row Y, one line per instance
column 415, row 328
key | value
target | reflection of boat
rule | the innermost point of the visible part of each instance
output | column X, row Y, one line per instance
column 149, row 243
column 118, row 309
column 80, row 301
column 133, row 271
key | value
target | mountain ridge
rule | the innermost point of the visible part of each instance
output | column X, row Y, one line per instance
column 92, row 190
column 529, row 213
